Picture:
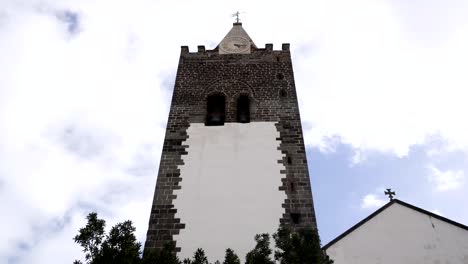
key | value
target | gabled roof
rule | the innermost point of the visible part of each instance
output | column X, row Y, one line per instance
column 394, row 201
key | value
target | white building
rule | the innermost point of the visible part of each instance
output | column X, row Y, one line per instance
column 400, row 233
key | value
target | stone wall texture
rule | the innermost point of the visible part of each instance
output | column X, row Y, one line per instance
column 266, row 76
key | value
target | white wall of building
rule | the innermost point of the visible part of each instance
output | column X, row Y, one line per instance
column 229, row 190
column 404, row 236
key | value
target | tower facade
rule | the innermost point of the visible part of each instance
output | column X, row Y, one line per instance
column 233, row 162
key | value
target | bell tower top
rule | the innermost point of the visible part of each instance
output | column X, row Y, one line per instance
column 233, row 146
column 237, row 40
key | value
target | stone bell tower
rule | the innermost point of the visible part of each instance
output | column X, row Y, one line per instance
column 233, row 162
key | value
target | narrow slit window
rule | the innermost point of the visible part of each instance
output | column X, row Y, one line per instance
column 216, row 110
column 243, row 109
column 283, row 93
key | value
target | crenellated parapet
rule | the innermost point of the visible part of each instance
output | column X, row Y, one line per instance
column 184, row 50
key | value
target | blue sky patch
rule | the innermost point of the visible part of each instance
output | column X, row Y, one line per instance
column 339, row 187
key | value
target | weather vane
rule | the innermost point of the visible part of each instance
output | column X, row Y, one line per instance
column 236, row 15
column 390, row 194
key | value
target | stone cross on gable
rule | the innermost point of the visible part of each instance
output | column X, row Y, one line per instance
column 390, row 193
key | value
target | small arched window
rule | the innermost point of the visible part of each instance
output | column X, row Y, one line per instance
column 216, row 110
column 243, row 109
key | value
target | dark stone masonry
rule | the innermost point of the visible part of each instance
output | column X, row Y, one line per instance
column 266, row 77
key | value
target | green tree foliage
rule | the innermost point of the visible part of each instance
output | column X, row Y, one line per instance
column 199, row 257
column 120, row 246
column 301, row 247
column 231, row 257
column 164, row 256
column 90, row 238
column 261, row 253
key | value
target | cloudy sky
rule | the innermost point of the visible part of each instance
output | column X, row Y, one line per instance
column 85, row 87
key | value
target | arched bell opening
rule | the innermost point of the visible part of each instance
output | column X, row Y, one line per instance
column 243, row 109
column 216, row 110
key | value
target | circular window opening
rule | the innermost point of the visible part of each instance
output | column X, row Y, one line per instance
column 280, row 76
column 283, row 93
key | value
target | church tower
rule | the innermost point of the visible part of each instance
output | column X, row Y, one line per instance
column 233, row 162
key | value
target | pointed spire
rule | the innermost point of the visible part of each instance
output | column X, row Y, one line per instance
column 237, row 40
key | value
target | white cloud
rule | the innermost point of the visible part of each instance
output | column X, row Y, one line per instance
column 81, row 125
column 371, row 84
column 372, row 201
column 446, row 180
column 358, row 157
column 81, row 111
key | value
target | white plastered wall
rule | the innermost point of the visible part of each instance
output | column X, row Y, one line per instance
column 230, row 188
column 405, row 236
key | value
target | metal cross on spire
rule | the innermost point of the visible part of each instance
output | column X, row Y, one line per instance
column 237, row 14
column 390, row 194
